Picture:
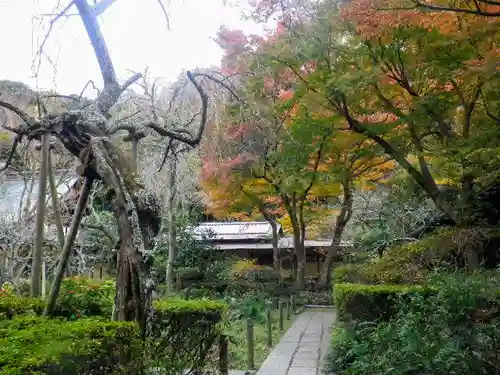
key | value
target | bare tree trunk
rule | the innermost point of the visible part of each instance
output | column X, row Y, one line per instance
column 40, row 218
column 298, row 228
column 27, row 207
column 300, row 254
column 276, row 250
column 68, row 245
column 55, row 202
column 23, row 267
column 172, row 232
column 342, row 219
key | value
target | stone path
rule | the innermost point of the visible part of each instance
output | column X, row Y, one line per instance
column 303, row 347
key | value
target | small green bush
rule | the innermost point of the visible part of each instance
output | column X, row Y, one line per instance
column 78, row 297
column 317, row 297
column 82, row 297
column 23, row 287
column 39, row 346
column 248, row 306
column 11, row 306
column 189, row 273
column 361, row 302
column 263, row 274
column 348, row 273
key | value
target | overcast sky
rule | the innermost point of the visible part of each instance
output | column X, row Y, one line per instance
column 136, row 33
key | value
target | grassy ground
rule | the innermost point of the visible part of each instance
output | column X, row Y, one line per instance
column 237, row 333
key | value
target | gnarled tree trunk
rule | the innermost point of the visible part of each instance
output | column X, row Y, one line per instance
column 85, row 134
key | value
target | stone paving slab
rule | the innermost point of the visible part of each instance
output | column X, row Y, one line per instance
column 302, row 349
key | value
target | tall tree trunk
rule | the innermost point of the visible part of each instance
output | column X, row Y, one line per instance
column 298, row 229
column 300, row 255
column 325, row 277
column 171, row 222
column 68, row 246
column 137, row 214
column 55, row 202
column 36, row 275
column 276, row 250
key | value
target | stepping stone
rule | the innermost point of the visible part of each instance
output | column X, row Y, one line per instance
column 302, row 371
column 305, row 362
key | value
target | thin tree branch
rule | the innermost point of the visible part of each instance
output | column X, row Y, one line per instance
column 419, row 4
column 189, row 140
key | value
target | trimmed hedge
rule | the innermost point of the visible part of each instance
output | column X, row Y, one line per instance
column 179, row 306
column 36, row 345
column 186, row 333
column 359, row 302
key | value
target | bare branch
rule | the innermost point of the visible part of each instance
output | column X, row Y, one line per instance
column 30, row 121
column 222, row 83
column 90, row 82
column 42, row 109
column 13, row 149
column 189, row 140
column 164, row 10
column 130, row 81
column 477, row 11
column 51, row 25
column 70, row 97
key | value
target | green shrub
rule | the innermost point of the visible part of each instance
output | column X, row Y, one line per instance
column 411, row 263
column 249, row 270
column 263, row 274
column 85, row 297
column 78, row 297
column 189, row 273
column 248, row 306
column 36, row 345
column 371, row 302
column 185, row 333
column 11, row 306
column 348, row 273
column 23, row 287
column 306, row 297
column 455, row 330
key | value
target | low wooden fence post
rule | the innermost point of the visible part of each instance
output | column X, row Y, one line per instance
column 223, row 355
column 250, row 357
column 281, row 312
column 269, row 326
